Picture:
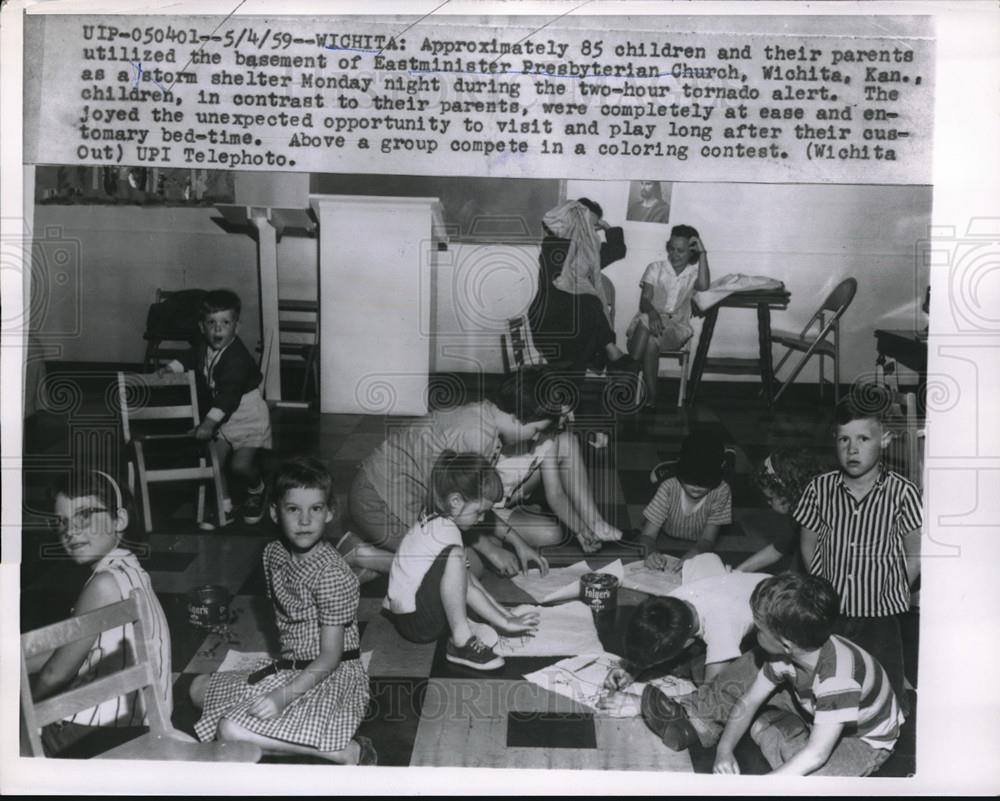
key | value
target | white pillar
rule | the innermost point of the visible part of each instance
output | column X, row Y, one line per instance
column 267, row 269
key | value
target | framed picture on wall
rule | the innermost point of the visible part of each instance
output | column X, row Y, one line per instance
column 649, row 202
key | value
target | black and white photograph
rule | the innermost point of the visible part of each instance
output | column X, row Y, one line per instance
column 649, row 202
column 378, row 407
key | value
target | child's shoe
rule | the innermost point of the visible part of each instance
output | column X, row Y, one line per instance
column 474, row 654
column 667, row 719
column 253, row 507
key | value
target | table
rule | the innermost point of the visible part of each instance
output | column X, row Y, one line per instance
column 905, row 346
column 763, row 300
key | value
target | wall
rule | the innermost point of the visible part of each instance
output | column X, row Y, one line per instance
column 810, row 237
column 94, row 305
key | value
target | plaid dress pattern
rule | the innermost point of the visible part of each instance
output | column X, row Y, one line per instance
column 318, row 591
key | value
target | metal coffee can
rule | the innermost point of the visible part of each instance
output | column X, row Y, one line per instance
column 208, row 605
column 599, row 591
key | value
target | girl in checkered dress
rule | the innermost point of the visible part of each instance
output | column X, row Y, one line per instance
column 312, row 699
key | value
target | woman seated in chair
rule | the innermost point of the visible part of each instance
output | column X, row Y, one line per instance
column 91, row 517
column 664, row 318
column 571, row 308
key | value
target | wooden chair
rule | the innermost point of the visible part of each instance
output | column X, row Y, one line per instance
column 827, row 320
column 682, row 355
column 170, row 420
column 163, row 742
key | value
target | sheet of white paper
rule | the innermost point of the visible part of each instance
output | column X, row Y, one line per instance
column 651, row 580
column 245, row 661
column 561, row 583
column 581, row 678
column 704, row 565
column 564, row 629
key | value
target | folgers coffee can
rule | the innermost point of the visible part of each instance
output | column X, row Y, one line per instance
column 599, row 591
column 208, row 605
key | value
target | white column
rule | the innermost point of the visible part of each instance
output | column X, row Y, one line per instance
column 375, row 255
column 267, row 269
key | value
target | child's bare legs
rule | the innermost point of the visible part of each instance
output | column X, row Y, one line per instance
column 244, row 465
column 568, row 493
column 361, row 554
column 454, row 591
column 228, row 730
column 575, row 485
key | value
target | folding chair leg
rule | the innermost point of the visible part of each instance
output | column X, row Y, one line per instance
column 220, row 487
column 798, row 369
column 836, row 363
column 140, row 467
column 200, row 513
column 684, row 377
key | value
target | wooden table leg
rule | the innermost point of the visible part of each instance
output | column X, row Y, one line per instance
column 701, row 355
column 764, row 343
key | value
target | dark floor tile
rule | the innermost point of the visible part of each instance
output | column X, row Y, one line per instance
column 636, row 487
column 185, row 637
column 393, row 717
column 256, row 582
column 167, row 561
column 550, row 730
column 376, row 588
column 185, row 713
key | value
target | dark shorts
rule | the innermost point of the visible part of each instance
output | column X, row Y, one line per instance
column 429, row 622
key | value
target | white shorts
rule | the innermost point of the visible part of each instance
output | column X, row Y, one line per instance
column 250, row 425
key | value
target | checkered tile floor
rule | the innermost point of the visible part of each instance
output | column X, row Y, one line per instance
column 425, row 711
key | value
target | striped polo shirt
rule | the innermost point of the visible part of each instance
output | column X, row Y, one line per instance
column 847, row 687
column 678, row 516
column 859, row 546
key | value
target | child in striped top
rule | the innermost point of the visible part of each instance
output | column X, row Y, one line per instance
column 852, row 717
column 91, row 518
column 690, row 508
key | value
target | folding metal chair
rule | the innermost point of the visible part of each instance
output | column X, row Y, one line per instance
column 827, row 318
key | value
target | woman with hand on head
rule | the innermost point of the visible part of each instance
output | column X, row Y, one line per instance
column 664, row 318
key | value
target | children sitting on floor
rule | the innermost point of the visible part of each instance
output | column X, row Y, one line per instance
column 430, row 585
column 714, row 610
column 781, row 478
column 861, row 531
column 836, row 714
column 689, row 509
column 389, row 492
column 235, row 416
column 91, row 517
column 311, row 700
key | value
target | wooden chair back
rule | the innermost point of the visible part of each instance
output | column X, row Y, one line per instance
column 137, row 677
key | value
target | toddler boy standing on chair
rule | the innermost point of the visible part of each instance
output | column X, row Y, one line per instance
column 237, row 420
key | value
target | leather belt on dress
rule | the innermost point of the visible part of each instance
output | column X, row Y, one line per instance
column 294, row 664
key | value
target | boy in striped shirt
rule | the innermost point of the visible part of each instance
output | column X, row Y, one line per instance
column 840, row 716
column 861, row 531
